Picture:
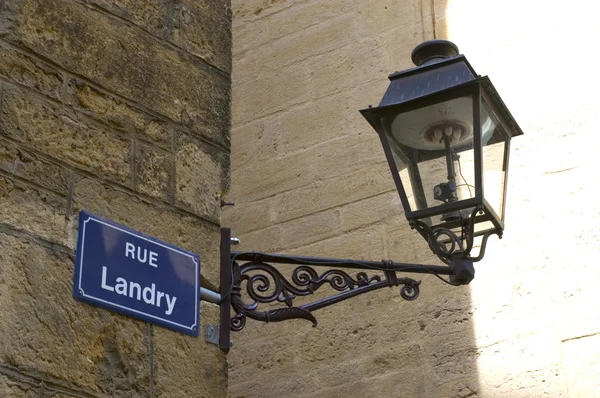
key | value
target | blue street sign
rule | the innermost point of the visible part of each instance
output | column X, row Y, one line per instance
column 136, row 275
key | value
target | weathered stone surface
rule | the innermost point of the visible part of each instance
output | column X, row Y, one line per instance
column 252, row 10
column 303, row 15
column 332, row 192
column 38, row 212
column 314, row 123
column 140, row 68
column 92, row 94
column 16, row 388
column 46, row 332
column 306, row 168
column 201, row 177
column 360, row 213
column 313, row 40
column 205, row 31
column 119, row 114
column 309, row 229
column 150, row 15
column 376, row 16
column 154, row 172
column 62, row 134
column 29, row 71
column 364, row 244
column 261, row 140
column 399, row 43
column 514, row 332
column 37, row 169
column 247, row 36
column 248, row 217
column 258, row 94
column 355, row 64
column 267, row 239
column 186, row 366
column 187, row 232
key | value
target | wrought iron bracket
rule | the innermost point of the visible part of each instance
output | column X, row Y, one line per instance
column 253, row 275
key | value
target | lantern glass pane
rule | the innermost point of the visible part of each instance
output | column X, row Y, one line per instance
column 494, row 141
column 433, row 150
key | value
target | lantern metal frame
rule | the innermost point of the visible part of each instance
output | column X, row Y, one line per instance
column 478, row 89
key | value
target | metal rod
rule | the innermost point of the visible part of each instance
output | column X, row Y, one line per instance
column 344, row 263
column 209, row 295
column 226, row 280
column 344, row 296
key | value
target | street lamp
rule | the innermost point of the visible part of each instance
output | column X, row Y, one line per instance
column 446, row 133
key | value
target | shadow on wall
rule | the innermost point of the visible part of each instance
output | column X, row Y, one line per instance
column 335, row 57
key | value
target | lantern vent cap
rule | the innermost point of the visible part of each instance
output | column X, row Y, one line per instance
column 433, row 51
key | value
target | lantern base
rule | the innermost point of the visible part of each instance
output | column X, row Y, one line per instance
column 463, row 271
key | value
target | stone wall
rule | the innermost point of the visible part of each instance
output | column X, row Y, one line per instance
column 121, row 108
column 309, row 177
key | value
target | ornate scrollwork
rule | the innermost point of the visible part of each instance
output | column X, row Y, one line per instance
column 446, row 244
column 339, row 280
column 410, row 290
column 265, row 284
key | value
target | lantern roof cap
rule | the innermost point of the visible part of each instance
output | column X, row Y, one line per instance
column 433, row 51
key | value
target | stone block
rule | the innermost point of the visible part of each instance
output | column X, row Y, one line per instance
column 318, row 166
column 201, row 177
column 364, row 244
column 316, row 122
column 154, row 172
column 41, row 213
column 302, row 15
column 247, row 36
column 410, row 383
column 33, row 167
column 380, row 208
column 125, row 60
column 407, row 358
column 407, row 245
column 181, row 230
column 150, row 15
column 118, row 114
column 311, row 228
column 265, row 240
column 451, row 357
column 205, row 31
column 259, row 141
column 400, row 42
column 47, row 333
column 62, row 134
column 355, row 64
column 436, row 17
column 331, row 192
column 314, row 40
column 286, row 382
column 186, row 366
column 247, row 217
column 376, row 17
column 30, row 72
column 259, row 94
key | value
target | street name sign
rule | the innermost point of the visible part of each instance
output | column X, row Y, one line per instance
column 137, row 275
